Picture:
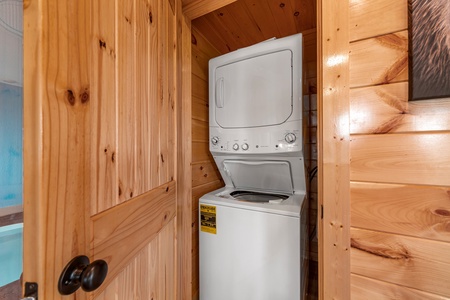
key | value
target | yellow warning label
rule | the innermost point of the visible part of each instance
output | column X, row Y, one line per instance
column 208, row 218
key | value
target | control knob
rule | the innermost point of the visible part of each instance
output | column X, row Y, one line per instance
column 214, row 140
column 235, row 147
column 290, row 138
column 245, row 146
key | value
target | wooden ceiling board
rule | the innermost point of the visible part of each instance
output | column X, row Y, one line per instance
column 304, row 12
column 231, row 29
column 216, row 22
column 213, row 36
column 264, row 17
column 283, row 16
column 246, row 22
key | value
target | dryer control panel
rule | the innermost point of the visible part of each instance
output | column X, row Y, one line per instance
column 255, row 141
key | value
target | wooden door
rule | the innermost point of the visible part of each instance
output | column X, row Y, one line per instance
column 100, row 140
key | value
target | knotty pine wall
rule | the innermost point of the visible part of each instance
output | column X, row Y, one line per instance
column 399, row 165
column 205, row 176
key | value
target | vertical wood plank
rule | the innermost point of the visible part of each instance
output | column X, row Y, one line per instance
column 184, row 156
column 143, row 121
column 126, row 98
column 154, row 106
column 163, row 91
column 103, row 117
column 333, row 145
column 56, row 118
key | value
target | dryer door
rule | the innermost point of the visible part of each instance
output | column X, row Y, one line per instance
column 254, row 92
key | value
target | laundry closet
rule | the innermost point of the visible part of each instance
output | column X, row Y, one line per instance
column 239, row 25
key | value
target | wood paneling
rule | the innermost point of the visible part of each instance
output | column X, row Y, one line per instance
column 412, row 210
column 386, row 109
column 333, row 139
column 200, row 109
column 120, row 232
column 56, row 102
column 421, row 158
column 102, row 109
column 399, row 166
column 184, row 157
column 198, row 131
column 364, row 288
column 368, row 67
column 204, row 172
column 246, row 22
column 198, row 8
column 415, row 263
column 152, row 266
column 199, row 87
column 205, row 176
column 370, row 18
column 103, row 89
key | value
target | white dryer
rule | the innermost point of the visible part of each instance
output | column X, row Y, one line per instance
column 250, row 230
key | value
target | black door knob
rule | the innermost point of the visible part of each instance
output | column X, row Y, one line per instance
column 80, row 273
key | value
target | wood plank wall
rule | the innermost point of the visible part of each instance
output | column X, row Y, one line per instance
column 205, row 176
column 400, row 165
column 310, row 138
column 101, row 99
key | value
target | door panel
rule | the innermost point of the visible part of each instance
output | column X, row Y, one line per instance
column 99, row 144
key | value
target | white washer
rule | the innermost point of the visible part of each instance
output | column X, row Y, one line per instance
column 253, row 253
column 250, row 239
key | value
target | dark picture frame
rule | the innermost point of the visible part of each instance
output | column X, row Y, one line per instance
column 429, row 49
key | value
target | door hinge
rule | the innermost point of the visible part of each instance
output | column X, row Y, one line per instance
column 31, row 291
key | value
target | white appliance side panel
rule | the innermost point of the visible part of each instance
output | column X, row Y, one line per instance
column 254, row 92
column 253, row 256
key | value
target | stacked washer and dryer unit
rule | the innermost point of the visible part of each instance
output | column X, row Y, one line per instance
column 250, row 231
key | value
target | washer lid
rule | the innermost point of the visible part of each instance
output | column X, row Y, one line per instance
column 257, row 175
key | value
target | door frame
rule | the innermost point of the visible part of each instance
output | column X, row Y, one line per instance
column 333, row 141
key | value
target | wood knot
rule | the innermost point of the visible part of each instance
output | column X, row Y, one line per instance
column 193, row 40
column 296, row 14
column 70, row 97
column 442, row 212
column 102, row 43
column 150, row 17
column 282, row 5
column 84, row 97
column 167, row 189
